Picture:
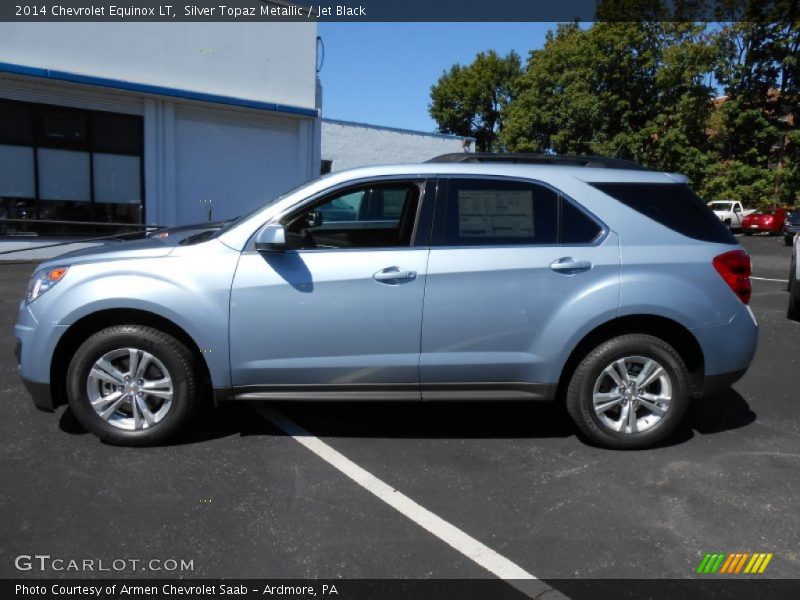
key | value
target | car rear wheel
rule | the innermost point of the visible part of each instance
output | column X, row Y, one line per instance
column 132, row 385
column 630, row 392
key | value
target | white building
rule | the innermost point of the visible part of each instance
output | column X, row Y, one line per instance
column 152, row 122
column 346, row 144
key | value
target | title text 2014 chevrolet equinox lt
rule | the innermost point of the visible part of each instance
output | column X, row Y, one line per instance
column 613, row 290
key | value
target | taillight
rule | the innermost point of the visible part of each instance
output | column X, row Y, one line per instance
column 735, row 269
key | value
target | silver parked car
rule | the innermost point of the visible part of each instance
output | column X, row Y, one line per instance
column 588, row 281
column 794, row 281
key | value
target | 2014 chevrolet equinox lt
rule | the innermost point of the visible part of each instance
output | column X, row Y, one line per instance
column 614, row 290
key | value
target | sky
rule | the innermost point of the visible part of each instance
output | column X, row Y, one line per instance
column 381, row 73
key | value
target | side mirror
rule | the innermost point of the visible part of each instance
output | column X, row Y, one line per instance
column 271, row 238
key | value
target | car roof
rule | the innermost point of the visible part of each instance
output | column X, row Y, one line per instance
column 498, row 169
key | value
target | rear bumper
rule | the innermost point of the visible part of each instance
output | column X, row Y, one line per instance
column 728, row 350
column 40, row 392
column 760, row 229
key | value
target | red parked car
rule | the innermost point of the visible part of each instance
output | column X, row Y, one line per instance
column 768, row 220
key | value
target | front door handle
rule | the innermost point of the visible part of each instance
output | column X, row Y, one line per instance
column 394, row 275
column 570, row 266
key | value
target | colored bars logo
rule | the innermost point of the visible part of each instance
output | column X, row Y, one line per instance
column 741, row 562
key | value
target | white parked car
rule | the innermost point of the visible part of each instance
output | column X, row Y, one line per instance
column 730, row 212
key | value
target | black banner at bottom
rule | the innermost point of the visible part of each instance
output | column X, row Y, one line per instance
column 402, row 589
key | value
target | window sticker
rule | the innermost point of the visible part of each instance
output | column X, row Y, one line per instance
column 495, row 213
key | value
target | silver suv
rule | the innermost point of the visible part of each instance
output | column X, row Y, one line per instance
column 582, row 280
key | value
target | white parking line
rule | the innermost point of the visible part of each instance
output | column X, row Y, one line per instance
column 767, row 279
column 462, row 542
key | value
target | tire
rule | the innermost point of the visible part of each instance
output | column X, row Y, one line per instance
column 669, row 392
column 165, row 367
column 787, row 239
column 793, row 312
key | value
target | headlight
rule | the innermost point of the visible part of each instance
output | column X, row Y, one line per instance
column 43, row 280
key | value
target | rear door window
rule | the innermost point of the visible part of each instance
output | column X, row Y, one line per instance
column 499, row 213
column 495, row 212
column 576, row 226
column 673, row 205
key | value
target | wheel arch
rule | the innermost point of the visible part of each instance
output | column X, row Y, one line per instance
column 672, row 332
column 83, row 328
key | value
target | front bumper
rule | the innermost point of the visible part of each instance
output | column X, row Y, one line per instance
column 36, row 343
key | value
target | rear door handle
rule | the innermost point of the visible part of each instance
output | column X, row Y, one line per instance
column 394, row 275
column 570, row 266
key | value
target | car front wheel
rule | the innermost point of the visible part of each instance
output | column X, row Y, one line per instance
column 132, row 385
column 629, row 392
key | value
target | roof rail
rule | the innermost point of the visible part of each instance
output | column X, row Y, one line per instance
column 538, row 159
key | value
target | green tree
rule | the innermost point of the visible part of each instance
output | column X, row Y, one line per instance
column 633, row 90
column 646, row 91
column 754, row 130
column 470, row 100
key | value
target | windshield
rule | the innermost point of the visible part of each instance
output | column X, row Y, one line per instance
column 721, row 205
column 241, row 218
column 795, row 218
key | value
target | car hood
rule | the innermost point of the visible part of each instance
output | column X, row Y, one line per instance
column 144, row 248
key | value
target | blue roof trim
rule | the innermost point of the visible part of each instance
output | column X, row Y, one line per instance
column 448, row 136
column 154, row 89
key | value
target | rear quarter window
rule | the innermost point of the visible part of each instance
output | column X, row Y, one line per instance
column 673, row 205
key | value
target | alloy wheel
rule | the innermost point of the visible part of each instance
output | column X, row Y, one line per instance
column 632, row 394
column 130, row 389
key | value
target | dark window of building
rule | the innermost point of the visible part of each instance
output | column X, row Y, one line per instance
column 70, row 172
column 326, row 167
column 672, row 205
column 16, row 123
column 67, row 126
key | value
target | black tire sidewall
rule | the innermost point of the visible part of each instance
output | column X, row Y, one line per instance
column 794, row 294
column 581, row 388
column 175, row 357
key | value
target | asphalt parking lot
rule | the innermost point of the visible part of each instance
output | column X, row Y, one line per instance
column 242, row 499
